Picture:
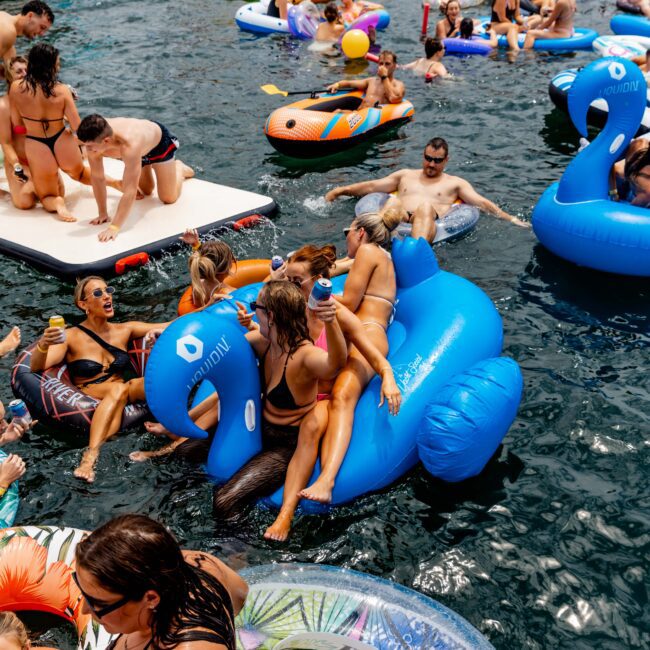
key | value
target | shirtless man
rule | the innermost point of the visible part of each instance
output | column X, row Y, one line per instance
column 557, row 24
column 147, row 148
column 35, row 19
column 380, row 89
column 431, row 66
column 428, row 193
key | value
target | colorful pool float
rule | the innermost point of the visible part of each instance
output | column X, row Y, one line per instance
column 311, row 128
column 627, row 47
column 581, row 39
column 631, row 25
column 9, row 502
column 253, row 18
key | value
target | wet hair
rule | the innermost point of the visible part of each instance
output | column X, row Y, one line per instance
column 289, row 309
column 431, row 46
column 12, row 626
column 379, row 225
column 636, row 162
column 438, row 143
column 9, row 73
column 132, row 554
column 331, row 13
column 94, row 127
column 211, row 260
column 39, row 8
column 41, row 69
column 319, row 260
column 388, row 53
column 80, row 288
column 466, row 28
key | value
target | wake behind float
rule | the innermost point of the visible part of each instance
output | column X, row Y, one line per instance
column 311, row 128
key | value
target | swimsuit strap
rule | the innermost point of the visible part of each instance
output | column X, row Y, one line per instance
column 115, row 351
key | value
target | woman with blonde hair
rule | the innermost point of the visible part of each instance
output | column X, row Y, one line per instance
column 13, row 634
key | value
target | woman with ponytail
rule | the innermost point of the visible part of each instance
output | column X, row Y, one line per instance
column 138, row 583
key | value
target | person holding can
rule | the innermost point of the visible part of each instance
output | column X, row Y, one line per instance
column 98, row 363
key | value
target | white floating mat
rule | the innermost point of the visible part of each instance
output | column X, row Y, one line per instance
column 72, row 249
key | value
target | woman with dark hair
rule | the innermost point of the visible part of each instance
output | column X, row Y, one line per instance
column 637, row 178
column 40, row 104
column 95, row 351
column 506, row 19
column 138, row 583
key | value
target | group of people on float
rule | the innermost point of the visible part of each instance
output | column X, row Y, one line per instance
column 37, row 144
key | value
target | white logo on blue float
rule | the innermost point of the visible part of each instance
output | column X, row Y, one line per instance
column 616, row 70
column 189, row 348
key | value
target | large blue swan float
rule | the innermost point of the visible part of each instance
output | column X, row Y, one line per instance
column 445, row 334
column 574, row 218
column 630, row 25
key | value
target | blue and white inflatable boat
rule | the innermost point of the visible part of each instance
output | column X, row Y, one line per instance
column 253, row 17
column 444, row 326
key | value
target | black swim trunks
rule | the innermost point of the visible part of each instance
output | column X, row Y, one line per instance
column 165, row 150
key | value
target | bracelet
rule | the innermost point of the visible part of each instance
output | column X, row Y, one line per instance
column 40, row 349
column 2, row 491
column 114, row 228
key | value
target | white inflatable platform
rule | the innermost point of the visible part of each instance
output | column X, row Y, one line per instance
column 70, row 250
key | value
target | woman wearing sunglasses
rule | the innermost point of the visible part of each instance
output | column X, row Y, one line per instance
column 95, row 352
column 138, row 583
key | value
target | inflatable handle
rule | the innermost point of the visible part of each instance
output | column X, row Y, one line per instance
column 131, row 262
column 464, row 425
column 407, row 250
column 372, row 57
column 246, row 222
column 622, row 85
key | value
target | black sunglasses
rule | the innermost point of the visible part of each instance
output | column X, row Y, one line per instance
column 434, row 160
column 256, row 305
column 100, row 612
column 348, row 230
column 98, row 293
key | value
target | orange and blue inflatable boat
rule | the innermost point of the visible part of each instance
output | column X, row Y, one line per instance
column 325, row 124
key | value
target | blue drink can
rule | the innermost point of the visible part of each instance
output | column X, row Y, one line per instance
column 321, row 290
column 276, row 262
column 19, row 411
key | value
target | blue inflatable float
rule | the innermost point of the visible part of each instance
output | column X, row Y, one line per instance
column 633, row 25
column 581, row 39
column 443, row 326
column 575, row 218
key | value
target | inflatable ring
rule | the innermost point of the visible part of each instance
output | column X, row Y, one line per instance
column 474, row 45
column 627, row 47
column 252, row 17
column 310, row 128
column 632, row 25
column 378, row 18
column 581, row 39
column 50, row 395
column 316, row 606
column 36, row 564
column 246, row 272
column 574, row 218
column 9, row 502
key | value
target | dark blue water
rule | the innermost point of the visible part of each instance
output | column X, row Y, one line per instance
column 548, row 547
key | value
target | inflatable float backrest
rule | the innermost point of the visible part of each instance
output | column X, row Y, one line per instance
column 622, row 85
column 414, row 261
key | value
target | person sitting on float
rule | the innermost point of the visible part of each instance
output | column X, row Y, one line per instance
column 431, row 66
column 98, row 363
column 466, row 32
column 556, row 23
column 507, row 20
column 448, row 26
column 138, row 583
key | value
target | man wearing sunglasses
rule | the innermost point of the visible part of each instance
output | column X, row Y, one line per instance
column 426, row 194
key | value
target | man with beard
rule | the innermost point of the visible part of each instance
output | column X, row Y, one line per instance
column 34, row 19
column 428, row 193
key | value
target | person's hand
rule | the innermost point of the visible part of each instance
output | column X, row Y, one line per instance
column 190, row 237
column 280, row 273
column 333, row 88
column 11, row 469
column 244, row 317
column 333, row 194
column 10, row 342
column 382, row 71
column 325, row 310
column 390, row 393
column 51, row 336
column 107, row 235
column 520, row 223
column 151, row 337
column 15, row 431
column 102, row 218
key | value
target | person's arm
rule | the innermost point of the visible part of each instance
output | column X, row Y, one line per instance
column 8, row 44
column 469, row 195
column 327, row 365
column 441, row 30
column 132, row 171
column 552, row 16
column 138, row 329
column 355, row 84
column 499, row 9
column 6, row 135
column 48, row 352
column 70, row 111
column 358, row 278
column 342, row 266
column 387, row 184
column 98, row 182
column 394, row 90
column 11, row 469
column 410, row 66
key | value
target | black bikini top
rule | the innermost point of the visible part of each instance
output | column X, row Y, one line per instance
column 280, row 395
column 87, row 368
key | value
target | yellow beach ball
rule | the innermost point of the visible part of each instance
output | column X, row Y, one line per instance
column 355, row 44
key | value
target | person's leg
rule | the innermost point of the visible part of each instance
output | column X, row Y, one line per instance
column 261, row 475
column 644, row 5
column 146, row 184
column 424, row 222
column 512, row 36
column 169, row 179
column 300, row 469
column 22, row 193
column 543, row 34
column 114, row 396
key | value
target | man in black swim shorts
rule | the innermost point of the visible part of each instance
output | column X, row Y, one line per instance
column 146, row 148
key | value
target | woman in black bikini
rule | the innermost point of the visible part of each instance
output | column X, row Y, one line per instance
column 138, row 583
column 449, row 25
column 507, row 20
column 40, row 103
column 95, row 351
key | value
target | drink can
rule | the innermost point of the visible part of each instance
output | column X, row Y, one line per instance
column 276, row 262
column 58, row 321
column 19, row 411
column 321, row 290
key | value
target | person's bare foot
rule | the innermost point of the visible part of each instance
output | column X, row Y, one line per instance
column 117, row 184
column 141, row 456
column 63, row 214
column 186, row 170
column 10, row 342
column 278, row 531
column 320, row 491
column 86, row 469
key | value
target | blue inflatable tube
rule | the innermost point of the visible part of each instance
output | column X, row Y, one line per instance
column 474, row 45
column 468, row 419
column 443, row 325
column 574, row 218
column 633, row 25
column 581, row 39
column 253, row 18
